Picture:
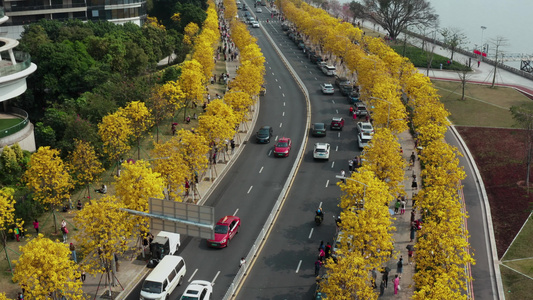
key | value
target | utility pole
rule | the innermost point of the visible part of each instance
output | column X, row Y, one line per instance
column 499, row 41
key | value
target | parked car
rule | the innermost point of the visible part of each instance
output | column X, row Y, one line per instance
column 321, row 64
column 319, row 129
column 327, row 88
column 283, row 147
column 321, row 151
column 198, row 290
column 225, row 230
column 337, row 123
column 363, row 139
column 340, row 81
column 346, row 90
column 360, row 109
column 353, row 97
column 263, row 135
column 365, row 127
column 329, row 70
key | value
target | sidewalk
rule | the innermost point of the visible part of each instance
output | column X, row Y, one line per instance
column 403, row 224
column 132, row 270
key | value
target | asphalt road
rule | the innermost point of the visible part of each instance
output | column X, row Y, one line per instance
column 252, row 185
column 285, row 267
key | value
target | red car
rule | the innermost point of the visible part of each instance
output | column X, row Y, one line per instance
column 225, row 230
column 283, row 147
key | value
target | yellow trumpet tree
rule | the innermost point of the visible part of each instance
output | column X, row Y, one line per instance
column 218, row 123
column 104, row 228
column 48, row 179
column 140, row 121
column 84, row 164
column 192, row 82
column 164, row 102
column 115, row 131
column 169, row 163
column 45, row 270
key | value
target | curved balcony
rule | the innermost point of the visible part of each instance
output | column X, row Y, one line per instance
column 13, row 75
column 15, row 127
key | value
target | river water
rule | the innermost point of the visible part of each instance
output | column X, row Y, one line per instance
column 511, row 19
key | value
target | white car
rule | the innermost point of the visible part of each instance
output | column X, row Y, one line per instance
column 198, row 290
column 259, row 10
column 321, row 151
column 363, row 139
column 327, row 88
column 365, row 127
column 255, row 24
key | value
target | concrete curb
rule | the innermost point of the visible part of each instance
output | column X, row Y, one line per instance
column 487, row 215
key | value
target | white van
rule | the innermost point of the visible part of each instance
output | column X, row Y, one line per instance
column 164, row 278
column 165, row 243
column 329, row 70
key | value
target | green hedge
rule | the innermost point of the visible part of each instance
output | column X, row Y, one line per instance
column 419, row 59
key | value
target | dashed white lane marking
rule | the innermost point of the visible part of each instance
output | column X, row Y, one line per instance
column 261, row 170
column 310, row 233
column 213, row 282
column 283, row 102
column 339, row 134
column 236, row 211
column 337, row 148
column 332, row 164
column 269, row 152
column 327, row 183
column 280, row 124
column 337, row 111
column 298, row 268
column 276, row 138
column 250, row 189
column 193, row 273
column 283, row 96
column 276, row 79
column 283, row 114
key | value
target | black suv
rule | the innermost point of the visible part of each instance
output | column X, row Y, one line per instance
column 263, row 135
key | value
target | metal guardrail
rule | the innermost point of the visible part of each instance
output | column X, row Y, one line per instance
column 23, row 62
column 17, row 127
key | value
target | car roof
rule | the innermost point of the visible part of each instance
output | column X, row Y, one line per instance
column 359, row 104
column 365, row 123
column 227, row 220
column 327, row 84
column 284, row 139
column 338, row 119
column 265, row 127
column 319, row 124
column 321, row 145
column 196, row 286
column 365, row 135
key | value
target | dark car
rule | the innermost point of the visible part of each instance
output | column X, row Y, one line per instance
column 342, row 81
column 353, row 97
column 337, row 123
column 319, row 129
column 360, row 109
column 263, row 135
column 346, row 90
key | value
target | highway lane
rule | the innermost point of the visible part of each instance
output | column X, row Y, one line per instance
column 251, row 186
column 485, row 285
column 285, row 267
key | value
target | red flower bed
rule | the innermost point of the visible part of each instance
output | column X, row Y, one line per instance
column 500, row 155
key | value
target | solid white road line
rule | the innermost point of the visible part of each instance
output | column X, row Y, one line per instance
column 298, row 268
column 327, row 183
column 236, row 211
column 261, row 170
column 213, row 282
column 193, row 273
column 310, row 233
column 251, row 187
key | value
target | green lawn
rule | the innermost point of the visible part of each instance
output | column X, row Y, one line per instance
column 6, row 123
column 483, row 106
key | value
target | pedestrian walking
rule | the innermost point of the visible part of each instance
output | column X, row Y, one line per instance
column 232, row 144
column 318, row 264
column 328, row 251
column 321, row 246
column 321, row 254
column 414, row 185
column 478, row 63
column 399, row 266
column 64, row 230
column 73, row 252
column 16, row 231
column 350, row 165
column 396, row 285
column 402, row 207
column 83, row 276
column 382, row 288
column 36, row 225
column 397, row 206
column 354, row 116
column 409, row 253
column 343, row 175
column 374, row 278
column 413, row 213
column 242, row 262
column 385, row 276
column 412, row 160
column 413, row 231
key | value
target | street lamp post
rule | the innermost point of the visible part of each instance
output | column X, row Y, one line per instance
column 388, row 114
column 351, row 179
column 481, row 46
